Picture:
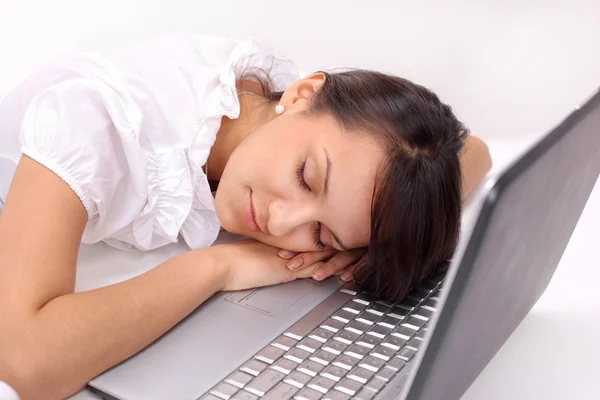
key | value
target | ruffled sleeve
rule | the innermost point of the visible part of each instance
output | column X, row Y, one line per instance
column 80, row 130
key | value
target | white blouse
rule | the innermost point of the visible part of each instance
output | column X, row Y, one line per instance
column 130, row 130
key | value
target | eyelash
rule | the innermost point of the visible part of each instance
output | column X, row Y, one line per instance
column 304, row 185
column 300, row 175
column 317, row 237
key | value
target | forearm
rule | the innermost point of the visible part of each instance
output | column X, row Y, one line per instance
column 77, row 336
column 475, row 162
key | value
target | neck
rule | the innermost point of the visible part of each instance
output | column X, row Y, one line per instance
column 254, row 112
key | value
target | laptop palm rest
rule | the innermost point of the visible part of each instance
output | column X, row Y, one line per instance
column 210, row 343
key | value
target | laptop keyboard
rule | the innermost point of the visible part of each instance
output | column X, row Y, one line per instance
column 349, row 346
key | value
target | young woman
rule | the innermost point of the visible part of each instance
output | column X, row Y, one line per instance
column 356, row 173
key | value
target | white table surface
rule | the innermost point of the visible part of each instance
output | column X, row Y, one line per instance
column 555, row 351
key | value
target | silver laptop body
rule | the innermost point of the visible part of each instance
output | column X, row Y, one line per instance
column 308, row 340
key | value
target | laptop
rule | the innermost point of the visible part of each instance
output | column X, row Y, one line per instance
column 329, row 340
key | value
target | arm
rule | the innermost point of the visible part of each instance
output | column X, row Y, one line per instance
column 52, row 340
column 475, row 162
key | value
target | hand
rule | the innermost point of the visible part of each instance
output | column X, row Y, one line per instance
column 324, row 263
column 250, row 263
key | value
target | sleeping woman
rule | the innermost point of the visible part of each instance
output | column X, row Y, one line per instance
column 355, row 173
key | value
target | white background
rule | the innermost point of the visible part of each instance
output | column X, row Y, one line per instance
column 507, row 67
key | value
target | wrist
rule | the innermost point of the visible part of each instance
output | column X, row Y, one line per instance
column 214, row 267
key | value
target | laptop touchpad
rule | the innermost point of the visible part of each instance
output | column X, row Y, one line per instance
column 261, row 300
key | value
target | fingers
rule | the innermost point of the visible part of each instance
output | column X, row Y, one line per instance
column 337, row 263
column 348, row 273
column 308, row 271
column 286, row 254
column 308, row 259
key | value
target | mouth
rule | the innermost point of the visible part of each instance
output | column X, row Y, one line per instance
column 249, row 215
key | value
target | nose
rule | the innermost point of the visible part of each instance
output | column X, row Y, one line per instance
column 285, row 215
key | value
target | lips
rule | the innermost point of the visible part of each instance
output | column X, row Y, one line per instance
column 249, row 215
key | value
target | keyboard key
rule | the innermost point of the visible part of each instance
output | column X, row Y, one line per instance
column 375, row 384
column 398, row 312
column 321, row 384
column 322, row 335
column 357, row 327
column 379, row 330
column 307, row 323
column 224, row 391
column 309, row 344
column 368, row 341
column 360, row 374
column 372, row 363
column 282, row 391
column 308, row 394
column 409, row 303
column 367, row 317
column 254, row 367
column 239, row 379
column 415, row 343
column 364, row 298
column 404, row 332
column 394, row 342
column 243, row 395
column 386, row 374
column 323, row 357
column 335, row 346
column 364, row 394
column 297, row 379
column 297, row 355
column 348, row 386
column 354, row 307
column 388, row 322
column 209, row 397
column 396, row 364
column 407, row 353
column 431, row 304
column 336, row 395
column 264, row 382
column 422, row 333
column 378, row 309
column 351, row 288
column 334, row 373
column 311, row 368
column 284, row 343
column 423, row 313
column 346, row 336
column 357, row 351
column 344, row 316
column 332, row 325
column 284, row 365
column 414, row 323
column 383, row 352
column 269, row 354
column 345, row 361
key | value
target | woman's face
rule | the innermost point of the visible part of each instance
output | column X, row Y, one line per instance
column 301, row 183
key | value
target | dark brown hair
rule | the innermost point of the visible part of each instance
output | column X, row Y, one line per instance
column 416, row 207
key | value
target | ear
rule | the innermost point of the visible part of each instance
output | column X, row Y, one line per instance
column 297, row 95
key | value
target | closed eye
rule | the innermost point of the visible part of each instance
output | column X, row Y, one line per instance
column 300, row 175
column 317, row 237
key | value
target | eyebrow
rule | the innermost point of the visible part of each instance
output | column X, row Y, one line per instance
column 325, row 191
column 327, row 172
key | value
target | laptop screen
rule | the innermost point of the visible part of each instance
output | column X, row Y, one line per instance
column 522, row 231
